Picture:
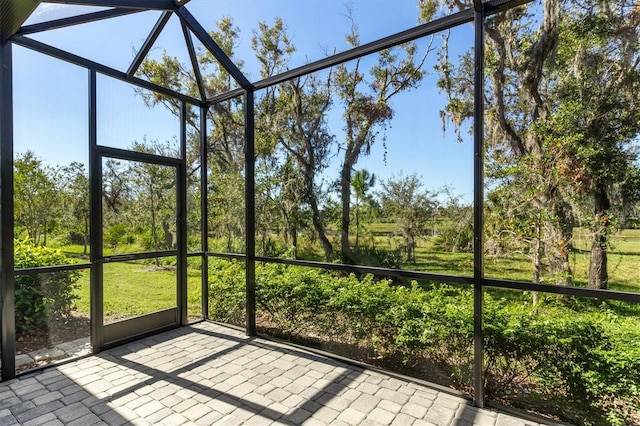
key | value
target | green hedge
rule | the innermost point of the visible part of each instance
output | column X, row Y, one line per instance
column 581, row 363
column 41, row 298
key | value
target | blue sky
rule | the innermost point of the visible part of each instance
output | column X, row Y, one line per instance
column 50, row 95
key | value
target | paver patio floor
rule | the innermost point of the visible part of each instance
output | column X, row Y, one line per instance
column 208, row 374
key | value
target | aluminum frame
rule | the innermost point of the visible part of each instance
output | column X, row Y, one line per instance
column 190, row 25
column 148, row 43
column 7, row 283
column 478, row 204
column 75, row 20
column 151, row 322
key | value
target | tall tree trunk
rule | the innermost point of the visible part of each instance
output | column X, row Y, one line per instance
column 263, row 244
column 537, row 258
column 168, row 236
column 357, row 221
column 558, row 237
column 558, row 226
column 294, row 241
column 345, row 198
column 598, row 274
column 319, row 227
column 291, row 233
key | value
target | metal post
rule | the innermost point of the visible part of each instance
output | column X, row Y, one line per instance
column 204, row 210
column 7, row 283
column 95, row 219
column 250, row 217
column 478, row 203
column 182, row 220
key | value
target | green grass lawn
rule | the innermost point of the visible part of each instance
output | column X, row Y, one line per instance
column 136, row 288
column 623, row 258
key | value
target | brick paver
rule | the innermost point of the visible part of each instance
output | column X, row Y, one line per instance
column 208, row 374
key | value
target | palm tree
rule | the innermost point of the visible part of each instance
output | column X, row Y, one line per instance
column 361, row 183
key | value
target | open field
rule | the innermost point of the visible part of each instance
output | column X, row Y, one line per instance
column 623, row 256
column 133, row 288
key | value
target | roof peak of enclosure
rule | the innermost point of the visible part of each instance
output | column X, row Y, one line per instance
column 126, row 39
column 52, row 24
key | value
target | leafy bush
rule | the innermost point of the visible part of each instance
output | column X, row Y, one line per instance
column 227, row 291
column 584, row 362
column 74, row 237
column 118, row 234
column 372, row 256
column 457, row 238
column 289, row 298
column 44, row 297
column 272, row 248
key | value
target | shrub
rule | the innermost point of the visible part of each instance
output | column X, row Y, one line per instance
column 587, row 362
column 272, row 248
column 118, row 234
column 458, row 238
column 227, row 291
column 43, row 297
column 78, row 238
column 372, row 256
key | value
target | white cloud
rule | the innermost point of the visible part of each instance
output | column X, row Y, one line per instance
column 48, row 7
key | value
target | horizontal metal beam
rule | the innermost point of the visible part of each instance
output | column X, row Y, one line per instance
column 377, row 271
column 51, row 269
column 144, row 157
column 429, row 28
column 128, row 4
column 486, row 282
column 75, row 20
column 103, row 69
column 591, row 293
column 212, row 47
column 138, row 256
column 423, row 30
column 229, row 256
column 226, row 96
column 496, row 6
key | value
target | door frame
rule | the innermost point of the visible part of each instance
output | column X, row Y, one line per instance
column 104, row 336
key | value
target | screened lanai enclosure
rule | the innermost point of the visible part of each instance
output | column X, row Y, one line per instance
column 447, row 190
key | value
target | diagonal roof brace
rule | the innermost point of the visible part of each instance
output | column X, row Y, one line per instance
column 75, row 20
column 212, row 47
column 101, row 68
column 194, row 61
column 127, row 4
column 153, row 36
column 497, row 6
